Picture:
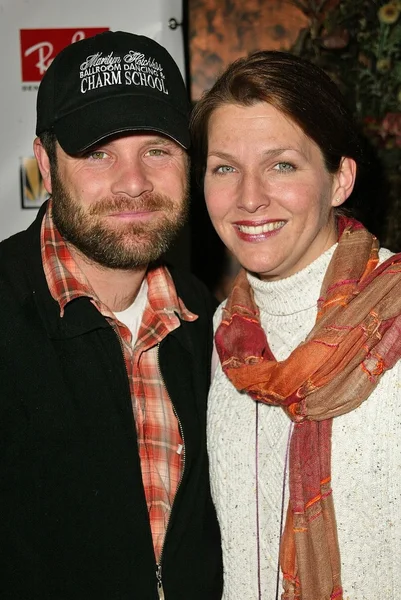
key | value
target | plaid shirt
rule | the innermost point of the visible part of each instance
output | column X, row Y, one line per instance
column 160, row 443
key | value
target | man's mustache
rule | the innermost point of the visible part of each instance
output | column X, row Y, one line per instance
column 148, row 202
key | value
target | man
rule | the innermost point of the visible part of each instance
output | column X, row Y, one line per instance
column 104, row 353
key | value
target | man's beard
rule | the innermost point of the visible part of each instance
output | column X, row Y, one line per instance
column 127, row 245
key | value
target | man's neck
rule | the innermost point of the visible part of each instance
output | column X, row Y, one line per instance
column 116, row 288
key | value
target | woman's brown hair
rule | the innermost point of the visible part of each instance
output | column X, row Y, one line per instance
column 300, row 90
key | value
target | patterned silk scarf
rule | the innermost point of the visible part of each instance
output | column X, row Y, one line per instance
column 356, row 338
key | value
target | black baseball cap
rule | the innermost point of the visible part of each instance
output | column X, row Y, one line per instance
column 110, row 83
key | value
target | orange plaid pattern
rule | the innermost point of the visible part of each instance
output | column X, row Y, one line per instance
column 160, row 439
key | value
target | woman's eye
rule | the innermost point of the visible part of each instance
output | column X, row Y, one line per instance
column 284, row 167
column 223, row 169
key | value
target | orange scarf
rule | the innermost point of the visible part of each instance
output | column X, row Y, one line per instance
column 356, row 338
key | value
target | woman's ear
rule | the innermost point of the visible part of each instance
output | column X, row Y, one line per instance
column 344, row 181
column 44, row 164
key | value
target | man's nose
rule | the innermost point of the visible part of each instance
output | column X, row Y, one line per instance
column 131, row 177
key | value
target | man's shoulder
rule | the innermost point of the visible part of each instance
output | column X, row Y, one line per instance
column 18, row 259
column 20, row 245
column 192, row 291
column 13, row 253
column 12, row 242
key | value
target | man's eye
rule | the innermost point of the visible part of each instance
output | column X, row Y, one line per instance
column 157, row 152
column 284, row 167
column 98, row 155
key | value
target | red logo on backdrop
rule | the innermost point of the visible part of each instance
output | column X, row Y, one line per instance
column 40, row 46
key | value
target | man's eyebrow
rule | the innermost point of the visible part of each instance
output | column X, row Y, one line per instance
column 154, row 140
column 162, row 141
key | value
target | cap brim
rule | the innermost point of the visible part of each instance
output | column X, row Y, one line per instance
column 89, row 125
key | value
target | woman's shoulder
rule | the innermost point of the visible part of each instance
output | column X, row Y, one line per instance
column 218, row 314
column 384, row 254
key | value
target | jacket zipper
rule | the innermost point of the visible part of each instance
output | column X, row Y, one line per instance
column 158, row 569
column 160, row 590
column 159, row 564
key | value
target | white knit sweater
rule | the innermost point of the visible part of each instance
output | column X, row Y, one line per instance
column 366, row 463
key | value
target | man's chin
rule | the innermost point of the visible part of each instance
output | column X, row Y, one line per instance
column 118, row 244
column 122, row 251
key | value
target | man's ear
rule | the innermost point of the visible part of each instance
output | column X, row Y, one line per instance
column 44, row 164
column 344, row 181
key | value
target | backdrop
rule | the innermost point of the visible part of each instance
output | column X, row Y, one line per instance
column 31, row 33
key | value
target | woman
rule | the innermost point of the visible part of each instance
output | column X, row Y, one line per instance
column 305, row 398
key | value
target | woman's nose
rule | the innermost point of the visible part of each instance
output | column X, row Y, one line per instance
column 253, row 193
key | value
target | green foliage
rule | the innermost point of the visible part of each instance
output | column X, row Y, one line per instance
column 358, row 43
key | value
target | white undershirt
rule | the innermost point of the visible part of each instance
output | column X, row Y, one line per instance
column 131, row 317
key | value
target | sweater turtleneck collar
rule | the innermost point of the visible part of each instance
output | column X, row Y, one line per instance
column 293, row 294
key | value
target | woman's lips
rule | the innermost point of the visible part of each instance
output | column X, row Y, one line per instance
column 258, row 231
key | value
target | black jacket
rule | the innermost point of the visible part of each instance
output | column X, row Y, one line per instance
column 73, row 518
